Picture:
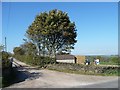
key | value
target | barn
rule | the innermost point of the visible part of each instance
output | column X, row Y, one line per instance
column 66, row 58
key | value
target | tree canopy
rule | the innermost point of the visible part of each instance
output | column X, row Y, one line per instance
column 51, row 32
column 18, row 51
column 29, row 48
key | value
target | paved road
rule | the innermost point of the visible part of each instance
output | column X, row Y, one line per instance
column 109, row 84
column 31, row 77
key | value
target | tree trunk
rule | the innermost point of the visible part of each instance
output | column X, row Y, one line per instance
column 39, row 48
column 54, row 54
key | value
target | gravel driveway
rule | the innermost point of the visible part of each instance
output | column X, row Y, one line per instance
column 31, row 77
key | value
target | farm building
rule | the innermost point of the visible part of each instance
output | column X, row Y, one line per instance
column 66, row 58
column 80, row 59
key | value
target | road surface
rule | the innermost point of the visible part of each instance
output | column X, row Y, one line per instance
column 31, row 77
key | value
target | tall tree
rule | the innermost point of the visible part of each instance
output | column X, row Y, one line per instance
column 52, row 31
column 18, row 51
column 29, row 48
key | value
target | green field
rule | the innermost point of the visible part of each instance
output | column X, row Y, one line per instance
column 105, row 59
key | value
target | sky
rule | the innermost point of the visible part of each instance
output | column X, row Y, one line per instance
column 96, row 24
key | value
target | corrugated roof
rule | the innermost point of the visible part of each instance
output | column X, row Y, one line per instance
column 64, row 57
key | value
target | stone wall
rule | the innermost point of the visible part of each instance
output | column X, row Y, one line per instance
column 84, row 69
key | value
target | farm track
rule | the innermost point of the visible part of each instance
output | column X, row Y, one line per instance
column 32, row 77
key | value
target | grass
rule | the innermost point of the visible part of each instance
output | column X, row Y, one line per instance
column 76, row 72
column 115, row 73
column 108, row 63
column 106, row 60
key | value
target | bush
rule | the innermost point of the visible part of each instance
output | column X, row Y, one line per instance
column 114, row 59
column 5, row 61
column 35, row 60
column 48, row 60
column 7, row 70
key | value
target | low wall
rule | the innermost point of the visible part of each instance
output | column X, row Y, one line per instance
column 90, row 69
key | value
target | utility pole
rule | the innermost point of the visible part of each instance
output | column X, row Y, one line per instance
column 5, row 45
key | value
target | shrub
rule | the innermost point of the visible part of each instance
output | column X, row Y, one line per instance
column 114, row 59
column 7, row 70
column 5, row 61
column 48, row 60
column 35, row 60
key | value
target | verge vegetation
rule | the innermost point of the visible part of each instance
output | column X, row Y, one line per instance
column 83, row 69
column 8, row 73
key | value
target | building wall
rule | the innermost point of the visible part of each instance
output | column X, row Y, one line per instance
column 80, row 59
column 66, row 61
